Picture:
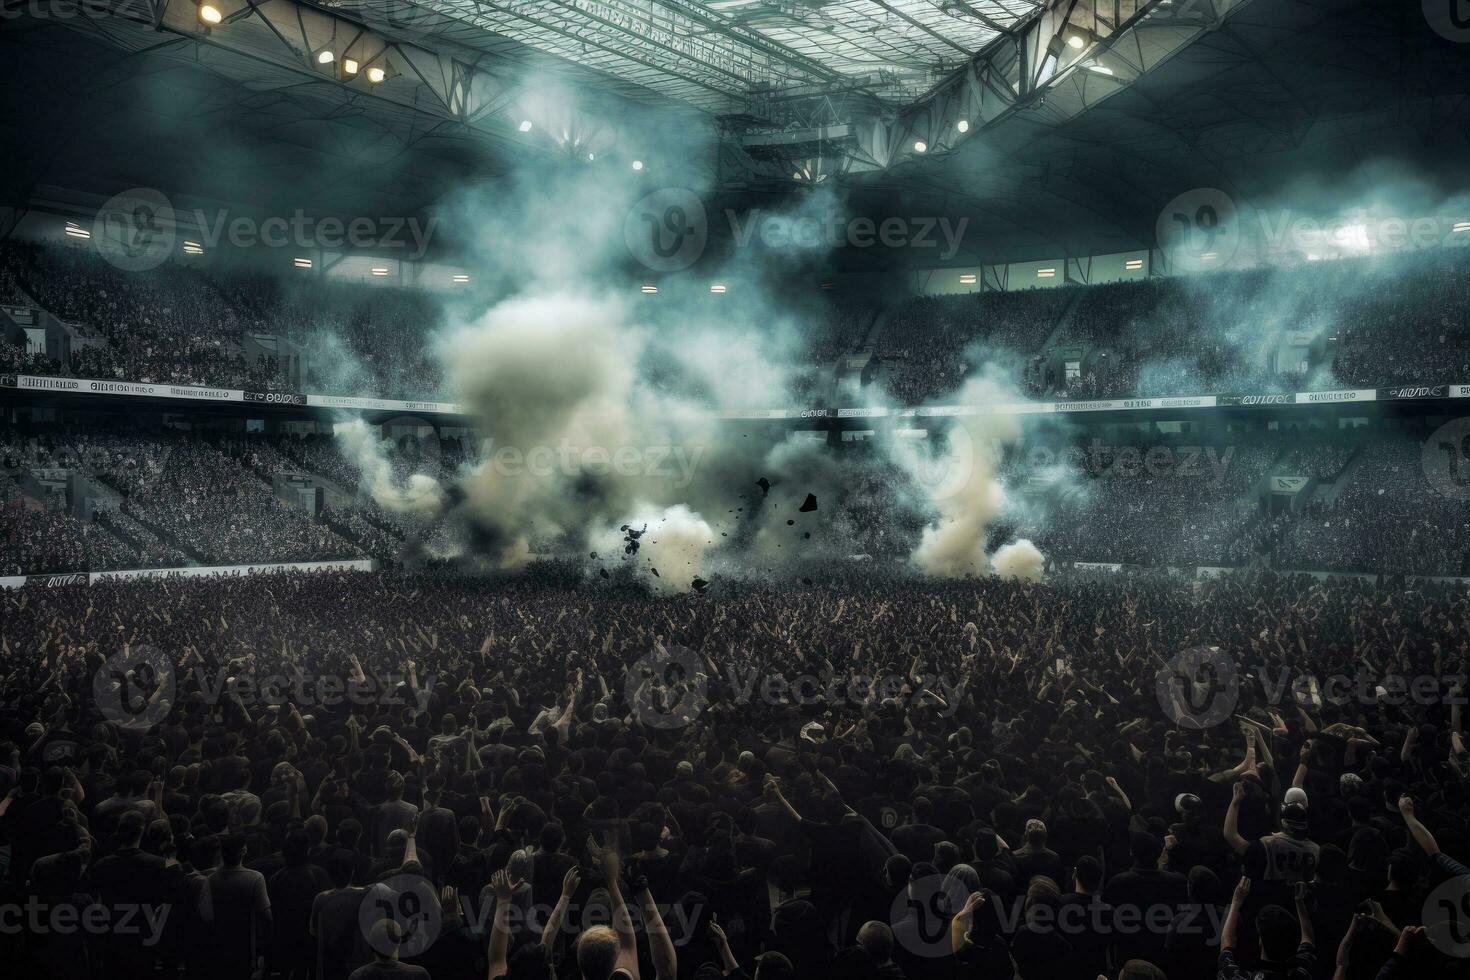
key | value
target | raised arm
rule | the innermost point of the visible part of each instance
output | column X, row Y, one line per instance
column 660, row 946
column 1417, row 830
column 500, row 928
column 569, row 883
column 1231, row 929
column 1232, row 821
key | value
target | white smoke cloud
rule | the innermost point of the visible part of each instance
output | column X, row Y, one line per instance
column 675, row 543
column 1019, row 560
column 422, row 495
column 965, row 490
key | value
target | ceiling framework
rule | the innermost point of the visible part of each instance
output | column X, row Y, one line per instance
column 1058, row 63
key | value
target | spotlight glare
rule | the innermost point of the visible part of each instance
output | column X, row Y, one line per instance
column 637, row 164
column 210, row 14
column 649, row 290
column 376, row 75
column 326, row 57
column 963, row 125
column 349, row 66
column 1075, row 42
column 920, row 146
column 461, row 277
column 525, row 126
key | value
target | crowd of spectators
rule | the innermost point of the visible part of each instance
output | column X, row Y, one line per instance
column 1172, row 501
column 982, row 779
column 1367, row 321
column 930, row 345
column 1386, row 517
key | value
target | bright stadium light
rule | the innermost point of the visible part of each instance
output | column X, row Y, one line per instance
column 717, row 287
column 349, row 66
column 74, row 230
column 649, row 290
column 637, row 164
column 325, row 57
column 525, row 126
column 210, row 15
column 1076, row 42
column 920, row 146
column 591, row 157
column 963, row 125
column 1462, row 227
column 379, row 271
column 376, row 75
column 460, row 277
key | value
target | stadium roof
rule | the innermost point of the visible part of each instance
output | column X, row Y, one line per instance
column 713, row 53
column 1285, row 93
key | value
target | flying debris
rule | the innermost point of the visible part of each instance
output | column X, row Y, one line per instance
column 603, row 573
column 765, row 486
column 699, row 584
column 630, row 538
column 809, row 504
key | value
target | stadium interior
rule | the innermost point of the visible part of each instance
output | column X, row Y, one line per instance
column 903, row 489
